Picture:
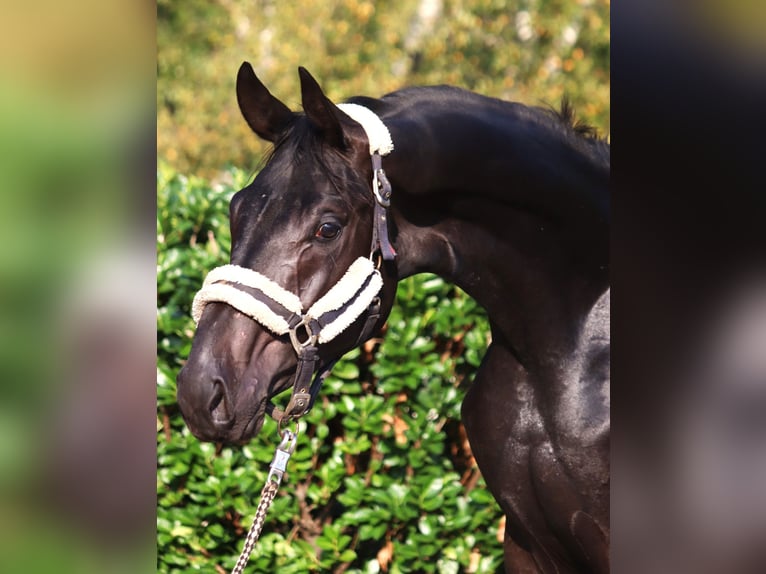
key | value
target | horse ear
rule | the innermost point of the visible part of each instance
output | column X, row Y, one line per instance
column 321, row 112
column 264, row 113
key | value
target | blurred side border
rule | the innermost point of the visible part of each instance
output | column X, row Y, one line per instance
column 77, row 181
column 688, row 254
column 77, row 286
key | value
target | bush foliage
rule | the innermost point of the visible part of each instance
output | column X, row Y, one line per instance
column 382, row 480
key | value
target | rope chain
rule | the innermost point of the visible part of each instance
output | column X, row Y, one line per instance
column 267, row 496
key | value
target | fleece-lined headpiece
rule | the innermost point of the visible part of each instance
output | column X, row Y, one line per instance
column 377, row 132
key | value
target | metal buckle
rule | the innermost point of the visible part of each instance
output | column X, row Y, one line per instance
column 383, row 199
column 310, row 338
column 380, row 181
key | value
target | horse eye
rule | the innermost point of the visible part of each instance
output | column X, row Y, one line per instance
column 328, row 231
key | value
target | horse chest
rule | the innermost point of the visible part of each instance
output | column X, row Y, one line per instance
column 541, row 440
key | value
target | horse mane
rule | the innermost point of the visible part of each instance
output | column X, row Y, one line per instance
column 300, row 140
column 579, row 132
column 566, row 115
column 562, row 120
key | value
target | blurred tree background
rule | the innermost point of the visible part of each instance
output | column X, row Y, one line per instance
column 383, row 479
column 532, row 51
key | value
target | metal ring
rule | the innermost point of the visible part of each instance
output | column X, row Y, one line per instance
column 311, row 337
column 288, row 437
column 289, row 440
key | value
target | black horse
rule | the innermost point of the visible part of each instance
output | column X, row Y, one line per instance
column 507, row 201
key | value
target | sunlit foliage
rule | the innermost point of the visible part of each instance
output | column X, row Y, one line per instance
column 533, row 51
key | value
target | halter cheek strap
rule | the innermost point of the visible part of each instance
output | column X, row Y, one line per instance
column 381, row 144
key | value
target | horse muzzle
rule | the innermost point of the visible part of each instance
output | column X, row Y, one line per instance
column 210, row 409
column 233, row 369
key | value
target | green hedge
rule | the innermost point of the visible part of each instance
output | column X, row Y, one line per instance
column 382, row 480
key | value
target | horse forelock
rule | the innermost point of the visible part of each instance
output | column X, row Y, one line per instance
column 301, row 148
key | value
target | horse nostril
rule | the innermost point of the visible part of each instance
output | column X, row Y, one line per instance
column 217, row 405
column 217, row 397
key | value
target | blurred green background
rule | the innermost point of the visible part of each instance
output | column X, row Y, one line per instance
column 77, row 263
column 383, row 479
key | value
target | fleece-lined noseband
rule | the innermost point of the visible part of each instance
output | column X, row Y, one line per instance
column 281, row 311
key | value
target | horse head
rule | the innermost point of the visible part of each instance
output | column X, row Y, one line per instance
column 303, row 279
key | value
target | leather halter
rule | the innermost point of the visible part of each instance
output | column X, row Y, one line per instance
column 280, row 310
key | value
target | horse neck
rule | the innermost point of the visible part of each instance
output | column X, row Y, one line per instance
column 508, row 208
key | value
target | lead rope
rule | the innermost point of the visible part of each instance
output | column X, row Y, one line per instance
column 277, row 470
